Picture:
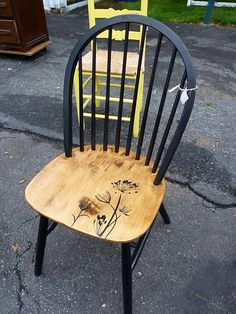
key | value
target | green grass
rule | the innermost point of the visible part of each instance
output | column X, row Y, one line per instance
column 176, row 11
column 210, row 104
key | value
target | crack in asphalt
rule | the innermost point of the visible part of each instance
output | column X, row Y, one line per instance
column 30, row 132
column 29, row 220
column 199, row 194
column 22, row 287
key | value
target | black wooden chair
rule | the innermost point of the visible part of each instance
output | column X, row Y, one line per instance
column 114, row 192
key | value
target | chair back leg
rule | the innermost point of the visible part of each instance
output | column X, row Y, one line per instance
column 41, row 243
column 127, row 278
column 164, row 214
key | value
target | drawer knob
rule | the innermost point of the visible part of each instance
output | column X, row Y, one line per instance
column 3, row 4
column 5, row 31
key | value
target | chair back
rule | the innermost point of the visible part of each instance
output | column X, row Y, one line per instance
column 96, row 14
column 164, row 117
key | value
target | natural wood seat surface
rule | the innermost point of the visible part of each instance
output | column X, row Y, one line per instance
column 116, row 62
column 101, row 193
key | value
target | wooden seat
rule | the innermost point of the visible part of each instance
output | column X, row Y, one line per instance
column 116, row 62
column 102, row 194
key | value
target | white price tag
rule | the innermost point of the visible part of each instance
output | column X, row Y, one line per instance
column 184, row 96
column 184, row 93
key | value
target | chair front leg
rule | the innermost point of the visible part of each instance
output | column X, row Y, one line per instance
column 41, row 243
column 127, row 278
column 164, row 214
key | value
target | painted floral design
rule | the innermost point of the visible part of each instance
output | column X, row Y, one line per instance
column 125, row 186
column 84, row 205
column 125, row 210
column 104, row 197
column 99, row 223
column 104, row 226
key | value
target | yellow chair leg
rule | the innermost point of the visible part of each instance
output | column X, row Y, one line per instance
column 136, row 123
column 76, row 90
column 138, row 106
column 97, row 89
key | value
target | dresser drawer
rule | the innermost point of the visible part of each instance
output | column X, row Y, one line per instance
column 5, row 8
column 8, row 32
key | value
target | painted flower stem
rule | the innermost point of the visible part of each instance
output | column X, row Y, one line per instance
column 111, row 219
column 79, row 215
column 114, row 224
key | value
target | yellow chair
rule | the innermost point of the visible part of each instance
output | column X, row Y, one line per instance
column 116, row 65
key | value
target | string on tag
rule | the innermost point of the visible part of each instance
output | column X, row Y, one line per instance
column 184, row 95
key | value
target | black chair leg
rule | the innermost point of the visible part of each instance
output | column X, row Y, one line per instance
column 127, row 278
column 164, row 214
column 41, row 243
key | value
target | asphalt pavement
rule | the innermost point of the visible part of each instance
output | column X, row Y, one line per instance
column 188, row 266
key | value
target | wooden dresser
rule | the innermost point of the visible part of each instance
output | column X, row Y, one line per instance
column 23, row 28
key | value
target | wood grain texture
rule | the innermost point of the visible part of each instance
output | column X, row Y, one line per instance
column 103, row 194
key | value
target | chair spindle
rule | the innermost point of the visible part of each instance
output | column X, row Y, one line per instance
column 168, row 125
column 161, row 107
column 140, row 60
column 81, row 109
column 93, row 123
column 107, row 102
column 122, row 87
column 149, row 94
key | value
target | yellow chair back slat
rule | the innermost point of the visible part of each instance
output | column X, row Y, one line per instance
column 120, row 35
column 107, row 13
column 95, row 14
